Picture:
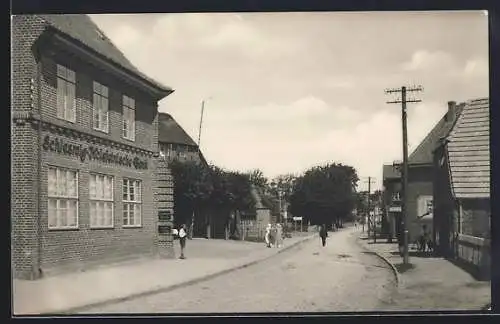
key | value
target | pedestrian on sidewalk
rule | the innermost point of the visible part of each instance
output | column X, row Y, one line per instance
column 182, row 239
column 323, row 234
column 268, row 235
column 279, row 235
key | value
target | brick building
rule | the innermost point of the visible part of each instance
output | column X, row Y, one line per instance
column 174, row 142
column 421, row 172
column 391, row 201
column 84, row 139
column 462, row 189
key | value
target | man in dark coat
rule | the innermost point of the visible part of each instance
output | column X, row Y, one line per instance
column 323, row 234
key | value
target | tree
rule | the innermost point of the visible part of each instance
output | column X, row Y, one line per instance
column 325, row 194
column 192, row 190
column 258, row 179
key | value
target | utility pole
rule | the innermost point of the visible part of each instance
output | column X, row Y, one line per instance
column 404, row 206
column 191, row 230
column 370, row 181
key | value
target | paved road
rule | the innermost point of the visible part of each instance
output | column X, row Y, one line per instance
column 340, row 277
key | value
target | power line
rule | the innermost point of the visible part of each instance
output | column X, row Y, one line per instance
column 403, row 101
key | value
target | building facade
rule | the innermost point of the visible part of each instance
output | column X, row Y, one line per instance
column 391, row 201
column 462, row 211
column 174, row 142
column 84, row 140
column 421, row 171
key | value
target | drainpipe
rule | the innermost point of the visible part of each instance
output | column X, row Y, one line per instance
column 37, row 265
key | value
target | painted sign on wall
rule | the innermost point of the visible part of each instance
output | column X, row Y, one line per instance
column 91, row 153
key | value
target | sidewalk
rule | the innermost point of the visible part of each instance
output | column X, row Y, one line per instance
column 433, row 283
column 205, row 258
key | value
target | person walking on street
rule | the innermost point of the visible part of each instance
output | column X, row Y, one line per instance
column 323, row 234
column 268, row 235
column 182, row 239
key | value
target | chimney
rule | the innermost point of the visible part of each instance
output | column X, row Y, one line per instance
column 450, row 114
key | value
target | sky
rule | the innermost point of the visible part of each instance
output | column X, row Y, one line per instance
column 288, row 91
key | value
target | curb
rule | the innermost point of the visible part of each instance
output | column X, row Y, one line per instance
column 392, row 266
column 76, row 309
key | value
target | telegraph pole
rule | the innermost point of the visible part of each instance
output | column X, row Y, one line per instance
column 191, row 231
column 369, row 181
column 404, row 90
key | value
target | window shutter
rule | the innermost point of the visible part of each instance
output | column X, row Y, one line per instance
column 60, row 97
column 71, row 102
column 105, row 112
column 132, row 124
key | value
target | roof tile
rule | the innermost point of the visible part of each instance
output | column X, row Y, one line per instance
column 469, row 152
column 83, row 29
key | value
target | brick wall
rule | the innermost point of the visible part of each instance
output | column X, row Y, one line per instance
column 73, row 247
column 164, row 200
column 24, row 162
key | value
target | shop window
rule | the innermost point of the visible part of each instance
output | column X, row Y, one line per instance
column 132, row 203
column 101, row 201
column 128, row 131
column 101, row 107
column 62, row 198
column 66, row 99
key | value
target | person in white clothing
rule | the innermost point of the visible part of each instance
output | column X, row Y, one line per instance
column 268, row 235
column 182, row 239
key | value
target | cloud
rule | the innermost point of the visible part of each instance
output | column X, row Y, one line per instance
column 427, row 60
column 287, row 98
column 339, row 83
column 476, row 68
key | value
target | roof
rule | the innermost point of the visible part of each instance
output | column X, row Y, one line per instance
column 169, row 131
column 390, row 172
column 83, row 29
column 423, row 154
column 468, row 151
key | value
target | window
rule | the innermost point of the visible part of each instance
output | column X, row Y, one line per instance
column 101, row 103
column 396, row 196
column 66, row 100
column 131, row 203
column 101, row 201
column 162, row 150
column 62, row 198
column 128, row 118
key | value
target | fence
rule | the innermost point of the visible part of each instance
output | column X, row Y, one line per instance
column 256, row 231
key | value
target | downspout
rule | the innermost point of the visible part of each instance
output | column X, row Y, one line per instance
column 38, row 269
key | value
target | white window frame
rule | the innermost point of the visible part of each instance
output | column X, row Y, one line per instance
column 128, row 124
column 59, row 197
column 134, row 202
column 100, row 114
column 66, row 94
column 95, row 200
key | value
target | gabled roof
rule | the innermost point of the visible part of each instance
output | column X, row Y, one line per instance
column 390, row 172
column 169, row 131
column 423, row 154
column 81, row 28
column 468, row 151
